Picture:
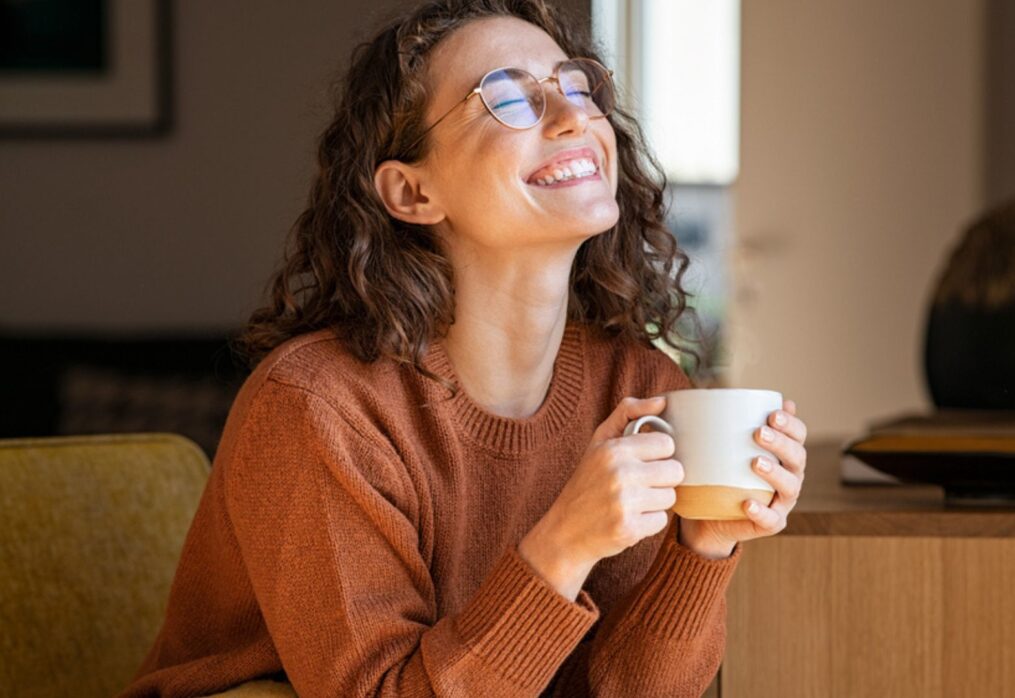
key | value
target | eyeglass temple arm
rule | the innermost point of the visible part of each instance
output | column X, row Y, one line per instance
column 429, row 128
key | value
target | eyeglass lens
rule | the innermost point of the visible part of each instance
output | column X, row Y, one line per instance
column 517, row 99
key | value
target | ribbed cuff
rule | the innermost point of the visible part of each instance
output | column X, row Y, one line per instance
column 521, row 625
column 681, row 588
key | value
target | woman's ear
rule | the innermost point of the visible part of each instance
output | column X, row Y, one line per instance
column 399, row 187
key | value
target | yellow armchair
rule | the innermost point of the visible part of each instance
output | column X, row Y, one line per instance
column 91, row 529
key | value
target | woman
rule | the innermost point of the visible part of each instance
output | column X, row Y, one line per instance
column 423, row 487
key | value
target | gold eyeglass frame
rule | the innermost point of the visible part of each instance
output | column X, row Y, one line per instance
column 477, row 90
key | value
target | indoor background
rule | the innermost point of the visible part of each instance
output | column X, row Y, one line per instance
column 870, row 134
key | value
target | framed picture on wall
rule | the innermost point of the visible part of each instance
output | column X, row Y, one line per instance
column 84, row 68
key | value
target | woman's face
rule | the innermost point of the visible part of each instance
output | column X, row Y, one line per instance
column 480, row 172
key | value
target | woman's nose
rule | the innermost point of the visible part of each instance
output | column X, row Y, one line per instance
column 563, row 115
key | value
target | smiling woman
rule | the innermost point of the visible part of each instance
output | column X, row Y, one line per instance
column 424, row 487
column 627, row 275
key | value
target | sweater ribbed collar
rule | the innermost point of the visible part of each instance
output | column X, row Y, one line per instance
column 508, row 435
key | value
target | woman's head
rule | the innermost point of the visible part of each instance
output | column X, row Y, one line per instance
column 368, row 255
column 479, row 181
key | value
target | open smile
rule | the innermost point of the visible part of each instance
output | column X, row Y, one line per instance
column 567, row 168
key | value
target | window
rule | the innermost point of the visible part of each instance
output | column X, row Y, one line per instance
column 677, row 67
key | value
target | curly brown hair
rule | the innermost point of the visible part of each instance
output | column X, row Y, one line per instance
column 385, row 285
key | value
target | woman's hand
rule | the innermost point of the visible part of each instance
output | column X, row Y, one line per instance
column 620, row 492
column 716, row 539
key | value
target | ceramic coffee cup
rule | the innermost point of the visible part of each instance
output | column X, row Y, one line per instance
column 713, row 429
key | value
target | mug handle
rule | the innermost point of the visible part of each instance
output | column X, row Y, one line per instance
column 635, row 426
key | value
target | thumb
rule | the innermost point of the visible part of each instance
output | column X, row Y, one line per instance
column 627, row 411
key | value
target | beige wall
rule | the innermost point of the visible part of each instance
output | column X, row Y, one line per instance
column 177, row 232
column 861, row 159
column 1000, row 97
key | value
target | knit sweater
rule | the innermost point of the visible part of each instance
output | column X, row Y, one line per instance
column 358, row 536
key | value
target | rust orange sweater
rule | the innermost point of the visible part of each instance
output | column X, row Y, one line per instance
column 359, row 542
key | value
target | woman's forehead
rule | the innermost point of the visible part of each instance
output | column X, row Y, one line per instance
column 464, row 57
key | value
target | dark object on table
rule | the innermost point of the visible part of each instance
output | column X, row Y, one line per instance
column 971, row 453
column 63, row 384
column 969, row 351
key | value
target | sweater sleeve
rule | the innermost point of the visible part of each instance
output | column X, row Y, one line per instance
column 665, row 638
column 326, row 521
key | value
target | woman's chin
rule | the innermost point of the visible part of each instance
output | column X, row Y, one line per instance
column 582, row 229
column 596, row 219
column 600, row 208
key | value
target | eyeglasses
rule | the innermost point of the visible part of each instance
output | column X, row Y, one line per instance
column 516, row 98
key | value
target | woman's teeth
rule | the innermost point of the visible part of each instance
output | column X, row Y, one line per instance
column 574, row 169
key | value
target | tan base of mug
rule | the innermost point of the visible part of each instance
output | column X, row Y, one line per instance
column 716, row 502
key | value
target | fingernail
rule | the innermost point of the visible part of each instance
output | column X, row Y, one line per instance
column 766, row 434
column 780, row 419
column 752, row 507
column 763, row 465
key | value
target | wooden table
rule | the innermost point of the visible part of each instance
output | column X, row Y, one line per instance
column 876, row 590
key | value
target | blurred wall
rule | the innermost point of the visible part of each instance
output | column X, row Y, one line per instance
column 178, row 232
column 182, row 232
column 1000, row 121
column 862, row 158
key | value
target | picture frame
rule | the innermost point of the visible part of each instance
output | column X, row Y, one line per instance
column 125, row 94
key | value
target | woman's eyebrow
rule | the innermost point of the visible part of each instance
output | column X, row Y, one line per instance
column 553, row 67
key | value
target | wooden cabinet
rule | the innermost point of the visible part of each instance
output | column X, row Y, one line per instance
column 873, row 591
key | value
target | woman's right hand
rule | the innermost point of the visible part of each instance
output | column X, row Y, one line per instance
column 619, row 494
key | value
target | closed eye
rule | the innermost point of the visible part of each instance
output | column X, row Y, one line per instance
column 509, row 103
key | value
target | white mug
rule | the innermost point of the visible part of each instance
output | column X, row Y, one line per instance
column 713, row 429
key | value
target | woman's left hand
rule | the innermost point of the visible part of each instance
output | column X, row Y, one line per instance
column 716, row 539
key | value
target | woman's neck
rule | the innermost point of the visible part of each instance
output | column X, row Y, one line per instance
column 510, row 318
